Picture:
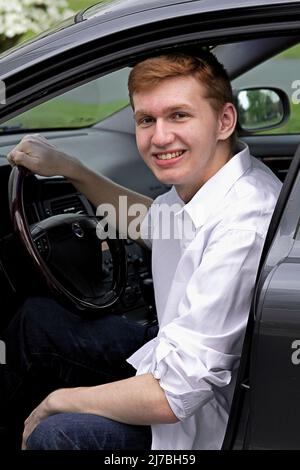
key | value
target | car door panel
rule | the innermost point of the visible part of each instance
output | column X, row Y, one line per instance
column 269, row 381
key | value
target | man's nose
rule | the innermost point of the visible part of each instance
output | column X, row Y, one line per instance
column 163, row 134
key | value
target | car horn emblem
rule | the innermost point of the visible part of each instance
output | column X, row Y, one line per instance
column 77, row 230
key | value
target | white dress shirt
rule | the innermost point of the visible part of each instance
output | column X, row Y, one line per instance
column 203, row 282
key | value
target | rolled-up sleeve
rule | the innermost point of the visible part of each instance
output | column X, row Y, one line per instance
column 199, row 349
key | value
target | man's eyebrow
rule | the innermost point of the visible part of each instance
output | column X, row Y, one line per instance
column 141, row 112
column 170, row 109
column 179, row 106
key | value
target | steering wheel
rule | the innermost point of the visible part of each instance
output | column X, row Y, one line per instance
column 68, row 254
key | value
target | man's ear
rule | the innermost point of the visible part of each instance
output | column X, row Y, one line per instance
column 227, row 121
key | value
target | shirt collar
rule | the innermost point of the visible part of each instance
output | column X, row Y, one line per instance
column 207, row 198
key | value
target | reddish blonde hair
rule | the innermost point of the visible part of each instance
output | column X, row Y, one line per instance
column 204, row 67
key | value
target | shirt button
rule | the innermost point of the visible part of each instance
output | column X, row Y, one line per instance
column 156, row 374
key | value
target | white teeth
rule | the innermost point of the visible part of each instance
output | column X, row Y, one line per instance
column 168, row 156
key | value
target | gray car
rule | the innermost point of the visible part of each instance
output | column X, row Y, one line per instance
column 70, row 85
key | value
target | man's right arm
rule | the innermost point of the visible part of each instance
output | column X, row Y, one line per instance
column 41, row 157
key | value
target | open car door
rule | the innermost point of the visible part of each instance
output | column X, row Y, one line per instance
column 265, row 412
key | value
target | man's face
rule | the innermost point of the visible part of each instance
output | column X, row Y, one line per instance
column 177, row 133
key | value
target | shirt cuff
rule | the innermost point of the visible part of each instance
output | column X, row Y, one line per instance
column 186, row 388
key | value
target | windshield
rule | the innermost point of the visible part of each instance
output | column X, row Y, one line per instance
column 81, row 107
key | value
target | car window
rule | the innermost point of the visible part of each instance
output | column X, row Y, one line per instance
column 282, row 71
column 81, row 107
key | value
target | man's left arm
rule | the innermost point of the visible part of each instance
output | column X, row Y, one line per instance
column 138, row 400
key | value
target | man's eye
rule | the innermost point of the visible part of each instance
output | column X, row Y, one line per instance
column 145, row 121
column 178, row 116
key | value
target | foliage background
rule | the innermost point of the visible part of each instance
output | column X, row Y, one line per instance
column 73, row 5
column 77, row 5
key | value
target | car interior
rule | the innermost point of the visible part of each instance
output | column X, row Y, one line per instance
column 104, row 140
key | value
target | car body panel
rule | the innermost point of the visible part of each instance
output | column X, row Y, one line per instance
column 274, row 371
column 61, row 40
column 118, row 8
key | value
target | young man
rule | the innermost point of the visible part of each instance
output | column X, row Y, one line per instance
column 204, row 278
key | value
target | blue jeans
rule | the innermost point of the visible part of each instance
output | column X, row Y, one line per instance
column 80, row 431
column 49, row 347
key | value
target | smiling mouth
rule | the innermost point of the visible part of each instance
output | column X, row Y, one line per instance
column 169, row 155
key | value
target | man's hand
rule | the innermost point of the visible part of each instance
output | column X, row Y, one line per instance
column 36, row 416
column 37, row 154
column 52, row 404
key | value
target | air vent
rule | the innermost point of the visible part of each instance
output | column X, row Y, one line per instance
column 66, row 205
column 279, row 165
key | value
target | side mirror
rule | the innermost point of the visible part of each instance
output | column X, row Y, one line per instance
column 261, row 108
